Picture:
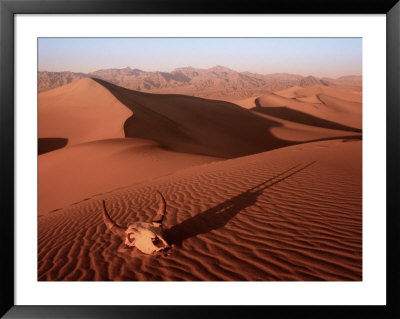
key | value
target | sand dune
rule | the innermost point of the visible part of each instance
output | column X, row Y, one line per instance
column 345, row 94
column 87, row 111
column 248, row 103
column 319, row 104
column 249, row 197
column 299, row 127
column 341, row 105
column 289, row 214
column 349, row 82
column 81, row 111
column 75, row 173
column 201, row 126
column 289, row 93
column 195, row 125
column 309, row 99
column 46, row 145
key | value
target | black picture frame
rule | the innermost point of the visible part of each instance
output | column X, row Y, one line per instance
column 8, row 8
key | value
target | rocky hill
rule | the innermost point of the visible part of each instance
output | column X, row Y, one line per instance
column 215, row 82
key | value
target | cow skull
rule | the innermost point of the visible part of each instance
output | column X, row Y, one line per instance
column 146, row 237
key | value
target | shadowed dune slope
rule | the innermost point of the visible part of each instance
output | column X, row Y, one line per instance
column 48, row 144
column 81, row 111
column 75, row 173
column 301, row 133
column 201, row 130
column 341, row 107
column 289, row 214
column 195, row 125
column 289, row 114
column 92, row 109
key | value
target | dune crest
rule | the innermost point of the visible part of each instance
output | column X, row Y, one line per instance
column 341, row 107
column 195, row 125
column 81, row 111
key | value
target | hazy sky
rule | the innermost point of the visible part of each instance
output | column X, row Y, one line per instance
column 331, row 57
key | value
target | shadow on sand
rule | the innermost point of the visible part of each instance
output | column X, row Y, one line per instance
column 286, row 113
column 196, row 125
column 218, row 216
column 48, row 144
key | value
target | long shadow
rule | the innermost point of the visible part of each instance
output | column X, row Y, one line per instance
column 48, row 144
column 286, row 113
column 218, row 216
column 196, row 125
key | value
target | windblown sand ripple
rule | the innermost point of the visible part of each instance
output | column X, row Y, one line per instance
column 78, row 172
column 289, row 214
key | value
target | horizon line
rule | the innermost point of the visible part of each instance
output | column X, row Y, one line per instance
column 183, row 67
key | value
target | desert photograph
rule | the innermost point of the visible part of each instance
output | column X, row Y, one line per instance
column 199, row 159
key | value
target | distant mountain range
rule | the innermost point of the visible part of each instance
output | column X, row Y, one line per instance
column 216, row 82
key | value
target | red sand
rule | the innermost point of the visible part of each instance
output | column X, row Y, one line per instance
column 286, row 213
column 81, row 112
column 73, row 174
column 302, row 223
column 337, row 105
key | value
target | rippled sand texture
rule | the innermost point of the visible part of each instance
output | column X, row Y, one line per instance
column 289, row 214
column 292, row 211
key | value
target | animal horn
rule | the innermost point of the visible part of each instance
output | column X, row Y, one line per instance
column 161, row 209
column 113, row 227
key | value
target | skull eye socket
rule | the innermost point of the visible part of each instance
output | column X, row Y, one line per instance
column 157, row 242
column 131, row 238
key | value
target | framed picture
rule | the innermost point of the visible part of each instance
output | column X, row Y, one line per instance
column 187, row 159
